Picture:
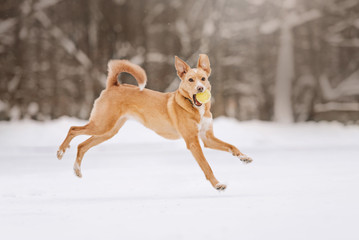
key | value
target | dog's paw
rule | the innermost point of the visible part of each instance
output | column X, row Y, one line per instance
column 245, row 159
column 221, row 186
column 60, row 153
column 77, row 170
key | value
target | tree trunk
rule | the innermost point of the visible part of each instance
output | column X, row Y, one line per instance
column 283, row 111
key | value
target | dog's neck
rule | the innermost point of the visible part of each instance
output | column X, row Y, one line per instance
column 184, row 101
column 190, row 101
column 188, row 105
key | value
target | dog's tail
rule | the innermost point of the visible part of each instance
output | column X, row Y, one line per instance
column 116, row 67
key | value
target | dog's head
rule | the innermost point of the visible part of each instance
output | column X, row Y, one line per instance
column 193, row 80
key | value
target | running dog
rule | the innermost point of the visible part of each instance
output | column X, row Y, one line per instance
column 172, row 115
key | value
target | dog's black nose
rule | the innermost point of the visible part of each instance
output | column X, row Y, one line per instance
column 200, row 89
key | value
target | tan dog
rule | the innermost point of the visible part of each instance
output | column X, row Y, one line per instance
column 171, row 115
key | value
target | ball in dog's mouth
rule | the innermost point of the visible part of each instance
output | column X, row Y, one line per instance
column 202, row 97
column 195, row 101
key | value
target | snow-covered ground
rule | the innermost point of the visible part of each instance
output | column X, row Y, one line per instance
column 303, row 184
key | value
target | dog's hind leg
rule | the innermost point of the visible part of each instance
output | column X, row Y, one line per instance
column 92, row 128
column 93, row 141
column 66, row 143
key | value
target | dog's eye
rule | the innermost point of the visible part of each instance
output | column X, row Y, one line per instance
column 191, row 80
column 203, row 79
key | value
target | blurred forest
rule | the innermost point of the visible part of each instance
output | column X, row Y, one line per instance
column 276, row 60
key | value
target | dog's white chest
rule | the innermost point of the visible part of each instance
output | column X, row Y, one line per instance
column 204, row 124
column 201, row 110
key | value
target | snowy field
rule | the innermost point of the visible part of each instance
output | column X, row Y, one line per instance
column 303, row 184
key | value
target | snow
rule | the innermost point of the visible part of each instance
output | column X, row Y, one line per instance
column 303, row 184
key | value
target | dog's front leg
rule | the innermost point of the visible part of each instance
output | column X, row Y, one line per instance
column 194, row 146
column 210, row 141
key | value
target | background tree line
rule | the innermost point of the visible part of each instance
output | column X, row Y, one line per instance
column 282, row 60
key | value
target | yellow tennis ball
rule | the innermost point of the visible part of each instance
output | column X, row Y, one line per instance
column 203, row 97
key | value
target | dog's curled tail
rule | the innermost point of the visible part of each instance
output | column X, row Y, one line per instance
column 116, row 67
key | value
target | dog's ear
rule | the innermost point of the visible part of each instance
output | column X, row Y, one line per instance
column 203, row 62
column 181, row 67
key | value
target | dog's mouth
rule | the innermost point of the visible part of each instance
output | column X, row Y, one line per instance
column 195, row 101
